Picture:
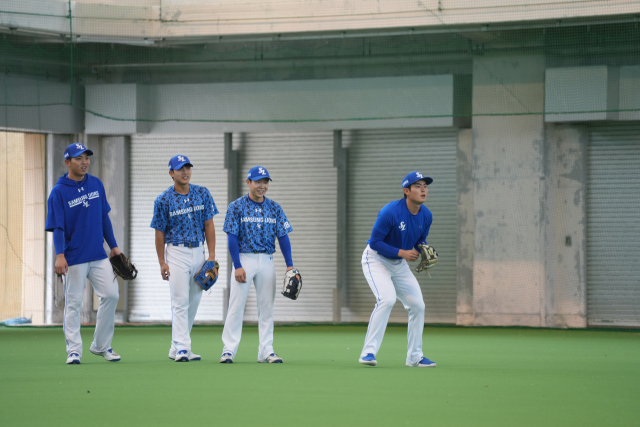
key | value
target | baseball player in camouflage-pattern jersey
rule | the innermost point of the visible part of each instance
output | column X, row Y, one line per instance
column 183, row 220
column 252, row 224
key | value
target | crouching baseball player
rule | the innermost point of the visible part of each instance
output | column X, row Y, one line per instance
column 252, row 224
column 183, row 220
column 399, row 235
column 78, row 216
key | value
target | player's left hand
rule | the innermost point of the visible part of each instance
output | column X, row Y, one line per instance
column 289, row 268
column 115, row 252
column 212, row 257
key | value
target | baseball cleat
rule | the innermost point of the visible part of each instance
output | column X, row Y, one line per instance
column 109, row 355
column 226, row 358
column 272, row 358
column 192, row 356
column 73, row 359
column 368, row 359
column 182, row 356
column 423, row 363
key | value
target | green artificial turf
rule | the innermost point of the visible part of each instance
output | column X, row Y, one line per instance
column 484, row 377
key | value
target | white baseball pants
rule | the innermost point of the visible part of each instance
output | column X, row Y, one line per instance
column 260, row 270
column 104, row 282
column 183, row 264
column 390, row 279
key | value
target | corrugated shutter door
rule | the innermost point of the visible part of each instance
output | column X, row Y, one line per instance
column 378, row 160
column 149, row 299
column 613, row 225
column 304, row 184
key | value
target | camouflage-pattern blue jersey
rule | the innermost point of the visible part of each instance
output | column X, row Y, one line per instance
column 256, row 224
column 181, row 217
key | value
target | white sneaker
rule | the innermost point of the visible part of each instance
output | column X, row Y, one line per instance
column 109, row 355
column 226, row 358
column 272, row 358
column 182, row 356
column 422, row 363
column 73, row 359
column 192, row 356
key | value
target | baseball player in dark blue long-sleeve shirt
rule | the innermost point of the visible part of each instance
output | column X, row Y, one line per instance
column 78, row 216
column 401, row 226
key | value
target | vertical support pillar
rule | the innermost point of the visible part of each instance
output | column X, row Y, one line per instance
column 231, row 165
column 55, row 167
column 466, row 228
column 509, row 184
column 340, row 161
column 114, row 172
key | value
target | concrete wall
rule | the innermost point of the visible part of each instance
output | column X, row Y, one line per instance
column 40, row 105
column 303, row 105
column 564, row 219
column 507, row 172
column 521, row 204
column 155, row 19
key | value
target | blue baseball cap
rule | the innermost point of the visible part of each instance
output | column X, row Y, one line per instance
column 75, row 149
column 257, row 173
column 177, row 162
column 414, row 177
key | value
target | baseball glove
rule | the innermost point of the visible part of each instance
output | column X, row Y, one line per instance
column 429, row 258
column 208, row 274
column 123, row 267
column 292, row 284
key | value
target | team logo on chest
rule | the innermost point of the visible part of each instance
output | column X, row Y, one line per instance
column 402, row 226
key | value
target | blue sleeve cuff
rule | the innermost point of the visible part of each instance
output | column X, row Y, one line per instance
column 285, row 247
column 234, row 250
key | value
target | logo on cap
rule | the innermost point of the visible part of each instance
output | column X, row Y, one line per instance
column 66, row 155
column 181, row 158
column 79, row 147
column 261, row 171
column 419, row 175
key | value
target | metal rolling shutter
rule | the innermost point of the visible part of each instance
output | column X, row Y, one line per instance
column 149, row 299
column 378, row 160
column 613, row 227
column 304, row 184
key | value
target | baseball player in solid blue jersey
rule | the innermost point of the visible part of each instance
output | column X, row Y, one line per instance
column 78, row 216
column 401, row 226
column 253, row 223
column 183, row 220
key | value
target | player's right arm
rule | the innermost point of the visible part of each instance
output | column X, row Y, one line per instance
column 61, row 266
column 231, row 226
column 55, row 223
column 164, row 268
column 160, row 223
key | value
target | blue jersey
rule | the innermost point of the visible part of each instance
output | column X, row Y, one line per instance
column 256, row 224
column 397, row 228
column 181, row 217
column 77, row 208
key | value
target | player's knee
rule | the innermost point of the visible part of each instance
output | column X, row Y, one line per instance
column 111, row 296
column 386, row 303
column 415, row 305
